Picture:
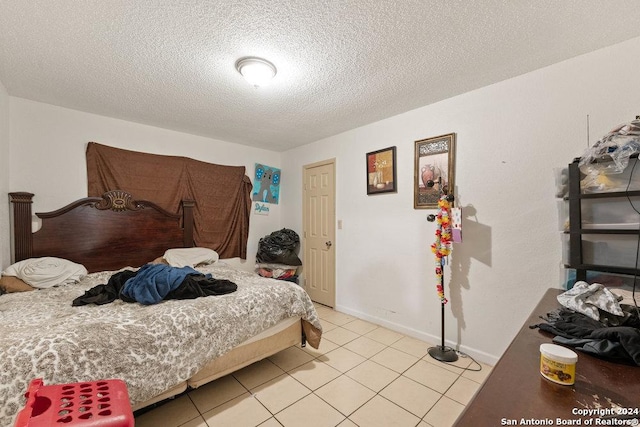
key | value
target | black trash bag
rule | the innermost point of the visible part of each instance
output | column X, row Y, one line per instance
column 279, row 247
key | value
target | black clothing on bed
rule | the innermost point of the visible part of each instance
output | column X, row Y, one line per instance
column 193, row 286
column 104, row 294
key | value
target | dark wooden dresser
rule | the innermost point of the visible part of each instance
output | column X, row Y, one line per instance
column 515, row 390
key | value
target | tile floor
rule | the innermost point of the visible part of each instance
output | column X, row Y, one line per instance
column 362, row 375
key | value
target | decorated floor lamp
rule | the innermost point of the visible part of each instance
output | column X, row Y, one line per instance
column 441, row 249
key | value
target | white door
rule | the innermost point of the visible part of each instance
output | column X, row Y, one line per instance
column 319, row 232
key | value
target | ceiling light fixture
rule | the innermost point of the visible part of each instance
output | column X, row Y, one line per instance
column 257, row 71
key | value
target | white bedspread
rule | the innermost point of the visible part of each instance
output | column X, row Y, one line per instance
column 152, row 348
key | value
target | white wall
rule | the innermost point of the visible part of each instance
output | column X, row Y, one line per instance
column 5, row 247
column 510, row 137
column 48, row 147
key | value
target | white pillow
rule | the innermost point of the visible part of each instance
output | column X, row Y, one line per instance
column 46, row 272
column 183, row 257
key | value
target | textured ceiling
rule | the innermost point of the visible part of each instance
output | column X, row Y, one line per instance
column 341, row 64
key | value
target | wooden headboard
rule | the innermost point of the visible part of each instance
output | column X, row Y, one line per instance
column 101, row 233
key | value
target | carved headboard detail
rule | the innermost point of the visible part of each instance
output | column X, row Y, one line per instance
column 118, row 200
column 102, row 233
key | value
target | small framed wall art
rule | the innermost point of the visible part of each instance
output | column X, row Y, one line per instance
column 381, row 171
column 435, row 165
column 266, row 184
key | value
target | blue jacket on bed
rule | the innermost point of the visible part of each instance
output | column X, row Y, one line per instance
column 153, row 282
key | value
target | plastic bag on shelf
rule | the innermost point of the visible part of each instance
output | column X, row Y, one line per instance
column 610, row 155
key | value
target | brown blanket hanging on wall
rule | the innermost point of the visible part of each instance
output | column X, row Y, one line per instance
column 222, row 193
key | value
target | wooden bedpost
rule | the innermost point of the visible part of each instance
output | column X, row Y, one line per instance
column 22, row 239
column 187, row 222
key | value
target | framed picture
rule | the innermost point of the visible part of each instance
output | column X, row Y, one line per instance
column 381, row 171
column 266, row 184
column 434, row 170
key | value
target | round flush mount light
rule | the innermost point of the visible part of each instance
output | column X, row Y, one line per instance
column 257, row 71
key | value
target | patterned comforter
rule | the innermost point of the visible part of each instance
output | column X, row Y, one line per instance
column 152, row 348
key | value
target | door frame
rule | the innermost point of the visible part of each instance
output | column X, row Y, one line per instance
column 331, row 161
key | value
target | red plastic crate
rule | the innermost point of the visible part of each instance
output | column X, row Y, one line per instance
column 102, row 403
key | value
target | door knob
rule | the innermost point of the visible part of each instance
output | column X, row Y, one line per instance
column 328, row 244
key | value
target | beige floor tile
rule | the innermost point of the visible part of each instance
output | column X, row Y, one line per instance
column 372, row 375
column 314, row 374
column 337, row 318
column 243, row 411
column 410, row 395
column 463, row 390
column 340, row 336
column 477, row 376
column 319, row 305
column 345, row 394
column 355, row 360
column 196, row 422
column 457, row 366
column 360, row 326
column 216, row 393
column 394, row 359
column 271, row 422
column 279, row 393
column 257, row 373
column 379, row 412
column 365, row 346
column 444, row 413
column 171, row 414
column 327, row 326
column 412, row 346
column 342, row 359
column 431, row 376
column 385, row 336
column 461, row 363
column 290, row 358
column 322, row 308
column 311, row 411
column 324, row 347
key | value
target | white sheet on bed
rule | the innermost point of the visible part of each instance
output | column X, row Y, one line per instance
column 46, row 272
column 190, row 257
column 151, row 348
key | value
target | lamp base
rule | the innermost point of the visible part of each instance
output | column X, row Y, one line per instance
column 443, row 354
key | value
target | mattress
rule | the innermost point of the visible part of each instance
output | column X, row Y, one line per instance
column 152, row 348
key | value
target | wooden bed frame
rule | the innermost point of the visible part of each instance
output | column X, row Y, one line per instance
column 101, row 233
column 115, row 231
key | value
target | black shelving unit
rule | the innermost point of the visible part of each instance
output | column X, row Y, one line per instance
column 576, row 230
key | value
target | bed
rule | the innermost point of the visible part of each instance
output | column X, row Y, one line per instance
column 159, row 350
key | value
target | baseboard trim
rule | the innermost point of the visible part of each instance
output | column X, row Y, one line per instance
column 478, row 355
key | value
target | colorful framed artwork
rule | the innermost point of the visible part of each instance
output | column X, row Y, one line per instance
column 381, row 171
column 266, row 185
column 434, row 170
